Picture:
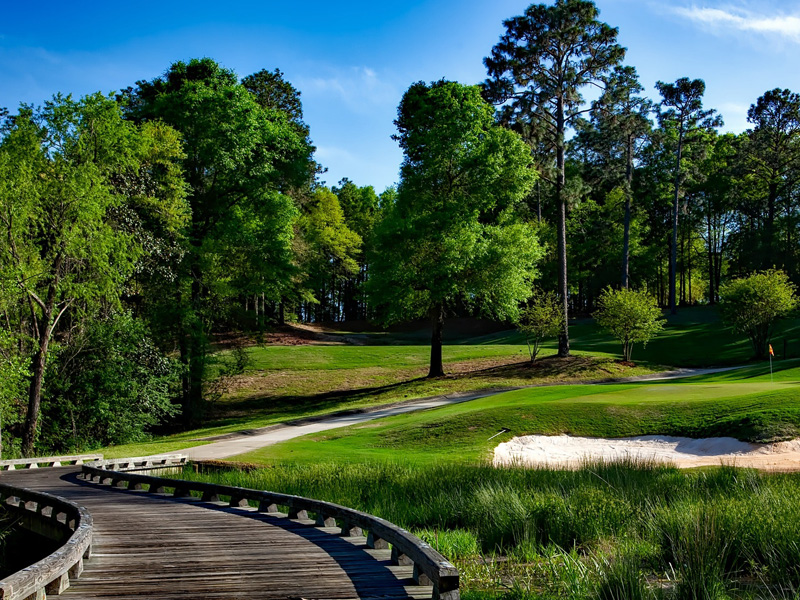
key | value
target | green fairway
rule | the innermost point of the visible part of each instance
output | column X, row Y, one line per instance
column 282, row 383
column 742, row 404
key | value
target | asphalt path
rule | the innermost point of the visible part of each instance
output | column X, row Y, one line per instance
column 233, row 444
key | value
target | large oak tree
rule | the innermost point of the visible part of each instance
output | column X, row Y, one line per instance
column 245, row 150
column 451, row 236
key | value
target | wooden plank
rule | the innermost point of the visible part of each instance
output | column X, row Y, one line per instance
column 146, row 545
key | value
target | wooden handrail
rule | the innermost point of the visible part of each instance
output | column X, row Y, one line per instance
column 49, row 461
column 430, row 567
column 52, row 574
column 141, row 463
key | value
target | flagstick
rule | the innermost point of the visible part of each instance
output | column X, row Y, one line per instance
column 770, row 368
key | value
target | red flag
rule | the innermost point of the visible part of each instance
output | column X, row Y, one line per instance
column 771, row 351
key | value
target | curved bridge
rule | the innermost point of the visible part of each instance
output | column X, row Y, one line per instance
column 152, row 539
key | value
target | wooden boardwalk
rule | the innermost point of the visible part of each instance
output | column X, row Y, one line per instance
column 150, row 546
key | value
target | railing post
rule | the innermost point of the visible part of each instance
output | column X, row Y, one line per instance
column 266, row 506
column 295, row 513
column 238, row 502
column 323, row 521
column 420, row 577
column 58, row 586
column 373, row 541
column 350, row 530
column 398, row 558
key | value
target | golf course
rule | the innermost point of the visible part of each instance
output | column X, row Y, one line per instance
column 635, row 528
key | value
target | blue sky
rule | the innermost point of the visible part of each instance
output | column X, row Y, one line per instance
column 353, row 61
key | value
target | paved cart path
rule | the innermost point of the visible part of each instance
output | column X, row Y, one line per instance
column 150, row 546
column 241, row 442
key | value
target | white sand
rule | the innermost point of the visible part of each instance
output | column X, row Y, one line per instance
column 564, row 451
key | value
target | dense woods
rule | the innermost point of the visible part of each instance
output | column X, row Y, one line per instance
column 135, row 226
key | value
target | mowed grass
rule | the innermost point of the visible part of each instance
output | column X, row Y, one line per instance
column 283, row 383
column 743, row 403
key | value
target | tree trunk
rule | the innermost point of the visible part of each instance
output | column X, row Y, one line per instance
column 712, row 245
column 769, row 255
column 626, row 226
column 673, row 257
column 437, row 325
column 38, row 365
column 689, row 268
column 563, row 337
column 682, row 284
column 193, row 350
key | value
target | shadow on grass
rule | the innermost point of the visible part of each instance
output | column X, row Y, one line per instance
column 294, row 407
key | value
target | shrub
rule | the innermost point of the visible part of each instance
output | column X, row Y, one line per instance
column 753, row 304
column 108, row 386
column 630, row 316
column 542, row 318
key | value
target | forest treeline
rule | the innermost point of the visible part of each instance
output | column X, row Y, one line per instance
column 136, row 225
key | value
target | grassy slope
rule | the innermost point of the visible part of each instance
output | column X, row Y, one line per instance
column 289, row 382
column 743, row 404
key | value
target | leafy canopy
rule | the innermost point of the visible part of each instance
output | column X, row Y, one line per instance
column 630, row 316
column 753, row 304
column 450, row 233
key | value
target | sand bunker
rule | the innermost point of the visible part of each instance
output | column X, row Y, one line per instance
column 568, row 452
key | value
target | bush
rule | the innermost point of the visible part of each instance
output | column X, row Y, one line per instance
column 109, row 386
column 542, row 318
column 753, row 304
column 630, row 316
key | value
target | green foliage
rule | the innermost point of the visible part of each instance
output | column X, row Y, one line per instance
column 541, row 318
column 360, row 206
column 331, row 246
column 753, row 304
column 109, row 385
column 72, row 175
column 450, row 236
column 14, row 376
column 245, row 149
column 630, row 316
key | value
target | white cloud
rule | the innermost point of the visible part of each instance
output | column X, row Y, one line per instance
column 360, row 88
column 786, row 26
column 735, row 116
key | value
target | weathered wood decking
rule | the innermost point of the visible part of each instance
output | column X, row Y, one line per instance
column 150, row 546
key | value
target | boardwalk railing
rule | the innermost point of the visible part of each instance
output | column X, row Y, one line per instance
column 48, row 514
column 47, row 461
column 142, row 463
column 430, row 567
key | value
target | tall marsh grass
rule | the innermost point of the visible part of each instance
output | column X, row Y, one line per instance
column 607, row 531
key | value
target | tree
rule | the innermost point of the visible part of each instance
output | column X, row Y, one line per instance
column 331, row 249
column 241, row 161
column 753, row 304
column 621, row 119
column 538, row 68
column 65, row 246
column 450, row 235
column 361, row 207
column 773, row 157
column 684, row 102
column 540, row 319
column 107, row 386
column 630, row 316
column 273, row 92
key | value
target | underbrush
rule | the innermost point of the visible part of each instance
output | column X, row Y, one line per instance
column 604, row 532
